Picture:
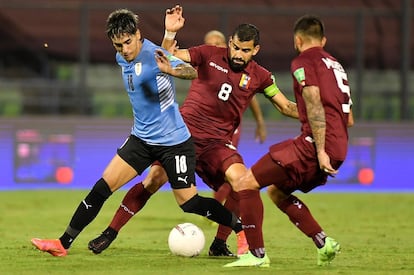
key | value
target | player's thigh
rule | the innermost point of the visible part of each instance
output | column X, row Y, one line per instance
column 179, row 164
column 215, row 165
column 136, row 153
column 266, row 172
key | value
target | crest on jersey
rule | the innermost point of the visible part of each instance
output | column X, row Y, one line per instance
column 300, row 76
column 138, row 68
column 244, row 81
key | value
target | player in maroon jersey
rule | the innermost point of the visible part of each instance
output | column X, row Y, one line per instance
column 303, row 163
column 217, row 38
column 227, row 80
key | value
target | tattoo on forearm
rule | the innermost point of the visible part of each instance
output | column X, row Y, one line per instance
column 316, row 117
column 185, row 72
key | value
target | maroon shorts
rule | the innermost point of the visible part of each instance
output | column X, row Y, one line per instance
column 291, row 165
column 236, row 136
column 213, row 158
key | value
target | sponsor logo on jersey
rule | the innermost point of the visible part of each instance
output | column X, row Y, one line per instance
column 245, row 81
column 138, row 68
column 218, row 67
column 300, row 76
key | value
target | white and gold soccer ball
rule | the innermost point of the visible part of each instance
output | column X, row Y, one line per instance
column 186, row 239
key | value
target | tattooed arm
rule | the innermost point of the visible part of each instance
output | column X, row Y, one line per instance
column 184, row 71
column 317, row 121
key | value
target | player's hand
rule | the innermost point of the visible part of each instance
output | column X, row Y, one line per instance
column 162, row 61
column 325, row 164
column 261, row 133
column 174, row 19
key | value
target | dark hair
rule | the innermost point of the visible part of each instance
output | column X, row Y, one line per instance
column 247, row 32
column 310, row 25
column 121, row 21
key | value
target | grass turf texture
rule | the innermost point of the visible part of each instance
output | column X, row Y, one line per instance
column 375, row 232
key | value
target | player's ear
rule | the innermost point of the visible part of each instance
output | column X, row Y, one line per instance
column 138, row 35
column 256, row 50
column 324, row 39
column 297, row 42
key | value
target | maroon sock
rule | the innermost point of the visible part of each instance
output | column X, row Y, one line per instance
column 302, row 218
column 232, row 204
column 134, row 200
column 251, row 211
column 223, row 192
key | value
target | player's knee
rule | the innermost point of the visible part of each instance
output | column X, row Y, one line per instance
column 276, row 195
column 102, row 188
column 246, row 182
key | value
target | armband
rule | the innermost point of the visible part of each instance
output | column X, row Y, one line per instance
column 271, row 91
column 169, row 35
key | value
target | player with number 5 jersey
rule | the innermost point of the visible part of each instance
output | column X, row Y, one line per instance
column 302, row 163
column 317, row 68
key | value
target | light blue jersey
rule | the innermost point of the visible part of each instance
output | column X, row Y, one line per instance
column 157, row 119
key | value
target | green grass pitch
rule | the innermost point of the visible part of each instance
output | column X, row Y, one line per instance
column 375, row 231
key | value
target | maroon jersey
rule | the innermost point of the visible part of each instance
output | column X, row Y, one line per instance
column 218, row 97
column 316, row 67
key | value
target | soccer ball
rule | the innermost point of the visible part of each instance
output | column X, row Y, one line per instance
column 186, row 239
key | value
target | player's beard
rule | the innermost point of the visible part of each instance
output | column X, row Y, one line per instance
column 237, row 67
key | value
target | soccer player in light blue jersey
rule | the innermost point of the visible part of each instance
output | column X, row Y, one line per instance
column 158, row 133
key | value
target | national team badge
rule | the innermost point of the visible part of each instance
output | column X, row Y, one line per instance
column 138, row 68
column 300, row 76
column 245, row 81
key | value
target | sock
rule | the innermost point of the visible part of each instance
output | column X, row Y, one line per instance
column 251, row 210
column 300, row 216
column 86, row 212
column 213, row 210
column 134, row 200
column 232, row 204
column 223, row 192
